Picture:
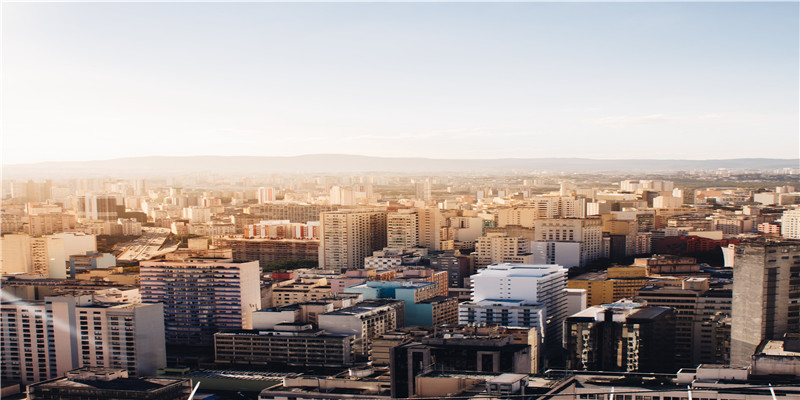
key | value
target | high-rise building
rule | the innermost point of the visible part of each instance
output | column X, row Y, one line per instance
column 349, row 236
column 496, row 248
column 71, row 332
column 766, row 294
column 790, row 224
column 402, row 229
column 528, row 285
column 265, row 195
column 622, row 336
column 587, row 231
column 97, row 207
column 202, row 296
column 429, row 226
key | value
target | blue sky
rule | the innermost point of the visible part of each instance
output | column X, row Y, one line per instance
column 86, row 81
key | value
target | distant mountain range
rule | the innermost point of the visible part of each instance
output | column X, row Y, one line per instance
column 340, row 163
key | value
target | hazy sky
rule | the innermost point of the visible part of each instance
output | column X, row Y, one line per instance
column 88, row 81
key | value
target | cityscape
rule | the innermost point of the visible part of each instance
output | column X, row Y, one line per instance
column 488, row 201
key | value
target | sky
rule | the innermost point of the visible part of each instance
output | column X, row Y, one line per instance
column 88, row 81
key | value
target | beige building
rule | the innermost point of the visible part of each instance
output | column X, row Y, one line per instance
column 497, row 248
column 349, row 236
column 587, row 231
column 429, row 225
column 300, row 290
column 402, row 229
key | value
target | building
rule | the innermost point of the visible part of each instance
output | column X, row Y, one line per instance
column 418, row 312
column 587, row 231
column 265, row 195
column 97, row 207
column 349, row 236
column 282, row 229
column 89, row 261
column 566, row 254
column 108, row 383
column 497, row 248
column 622, row 336
column 523, row 285
column 455, row 353
column 790, row 224
column 202, row 296
column 364, row 321
column 506, row 313
column 457, row 267
column 43, row 256
column 702, row 335
column 665, row 264
column 300, row 290
column 402, row 229
column 616, row 283
column 294, row 344
column 766, row 294
column 429, row 228
column 268, row 251
column 71, row 331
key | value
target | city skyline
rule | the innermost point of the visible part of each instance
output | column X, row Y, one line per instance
column 447, row 81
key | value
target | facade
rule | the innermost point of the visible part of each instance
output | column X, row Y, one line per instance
column 89, row 261
column 766, row 294
column 402, row 229
column 202, row 296
column 349, row 236
column 295, row 344
column 457, row 267
column 268, row 251
column 616, row 283
column 496, row 248
column 265, row 195
column 620, row 337
column 72, row 332
column 364, row 321
column 97, row 207
column 529, row 284
column 587, row 231
column 507, row 313
column 566, row 254
column 790, row 224
column 429, row 225
column 700, row 333
column 413, row 294
column 300, row 290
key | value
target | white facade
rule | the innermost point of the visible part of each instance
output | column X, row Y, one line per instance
column 530, row 284
column 77, row 243
column 667, row 202
column 512, row 313
column 790, row 224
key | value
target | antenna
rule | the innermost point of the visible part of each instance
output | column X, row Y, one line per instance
column 771, row 391
column 689, row 390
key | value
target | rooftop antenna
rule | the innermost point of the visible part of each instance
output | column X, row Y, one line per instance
column 772, row 392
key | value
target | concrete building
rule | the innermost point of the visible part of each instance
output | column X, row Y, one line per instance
column 202, row 296
column 402, row 229
column 566, row 254
column 766, row 294
column 283, row 229
column 294, row 344
column 429, row 228
column 587, row 231
column 91, row 383
column 790, row 224
column 457, row 267
column 265, row 195
column 89, row 261
column 48, row 224
column 268, row 251
column 616, row 283
column 364, row 321
column 72, row 331
column 300, row 290
column 701, row 334
column 666, row 264
column 667, row 202
column 506, row 313
column 349, row 236
column 414, row 294
column 526, row 285
column 496, row 248
column 97, row 207
column 622, row 336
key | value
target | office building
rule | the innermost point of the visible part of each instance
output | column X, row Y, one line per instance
column 45, row 339
column 586, row 231
column 622, row 336
column 613, row 284
column 364, row 321
column 522, row 285
column 90, row 383
column 766, row 294
column 417, row 312
column 293, row 344
column 497, row 248
column 790, row 224
column 349, row 236
column 90, row 261
column 202, row 296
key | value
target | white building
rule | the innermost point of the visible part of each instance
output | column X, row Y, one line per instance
column 667, row 202
column 511, row 313
column 528, row 284
column 790, row 224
